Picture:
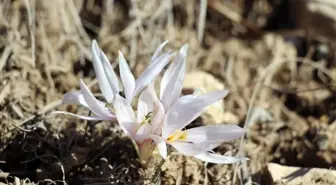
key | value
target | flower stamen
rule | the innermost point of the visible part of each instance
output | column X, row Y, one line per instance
column 178, row 135
column 148, row 119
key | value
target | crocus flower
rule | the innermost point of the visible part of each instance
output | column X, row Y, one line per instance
column 199, row 141
column 145, row 124
column 161, row 121
column 109, row 84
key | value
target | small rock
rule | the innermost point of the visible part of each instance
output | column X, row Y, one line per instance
column 297, row 175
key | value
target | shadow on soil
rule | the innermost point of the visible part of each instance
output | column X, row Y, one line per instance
column 94, row 156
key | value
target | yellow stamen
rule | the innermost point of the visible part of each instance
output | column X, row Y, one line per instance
column 178, row 135
column 148, row 119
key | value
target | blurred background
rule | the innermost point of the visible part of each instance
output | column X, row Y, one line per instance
column 277, row 58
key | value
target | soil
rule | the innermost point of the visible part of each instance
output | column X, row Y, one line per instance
column 281, row 75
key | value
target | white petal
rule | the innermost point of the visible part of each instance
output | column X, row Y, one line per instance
column 214, row 133
column 191, row 149
column 184, row 49
column 104, row 84
column 96, row 106
column 188, row 108
column 109, row 72
column 188, row 149
column 158, row 50
column 157, row 121
column 168, row 74
column 90, row 118
column 145, row 104
column 208, row 146
column 127, row 78
column 143, row 133
column 179, row 82
column 181, row 57
column 125, row 115
column 129, row 128
column 123, row 110
column 151, row 72
column 161, row 144
column 219, row 159
column 172, row 82
column 151, row 90
column 74, row 98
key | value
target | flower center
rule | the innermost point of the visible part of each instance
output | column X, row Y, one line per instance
column 178, row 135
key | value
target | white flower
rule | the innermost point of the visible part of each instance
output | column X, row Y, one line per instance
column 199, row 141
column 109, row 85
column 144, row 125
column 163, row 120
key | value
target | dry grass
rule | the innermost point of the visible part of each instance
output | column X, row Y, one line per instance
column 45, row 51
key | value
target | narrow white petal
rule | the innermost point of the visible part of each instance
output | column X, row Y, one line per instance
column 109, row 72
column 161, row 145
column 96, row 106
column 172, row 82
column 208, row 146
column 158, row 50
column 127, row 78
column 184, row 49
column 150, row 73
column 191, row 149
column 172, row 120
column 145, row 104
column 104, row 84
column 218, row 159
column 151, row 90
column 125, row 115
column 188, row 149
column 187, row 108
column 123, row 109
column 156, row 107
column 170, row 72
column 143, row 133
column 141, row 112
column 157, row 121
column 179, row 82
column 214, row 133
column 129, row 128
column 74, row 98
column 90, row 118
